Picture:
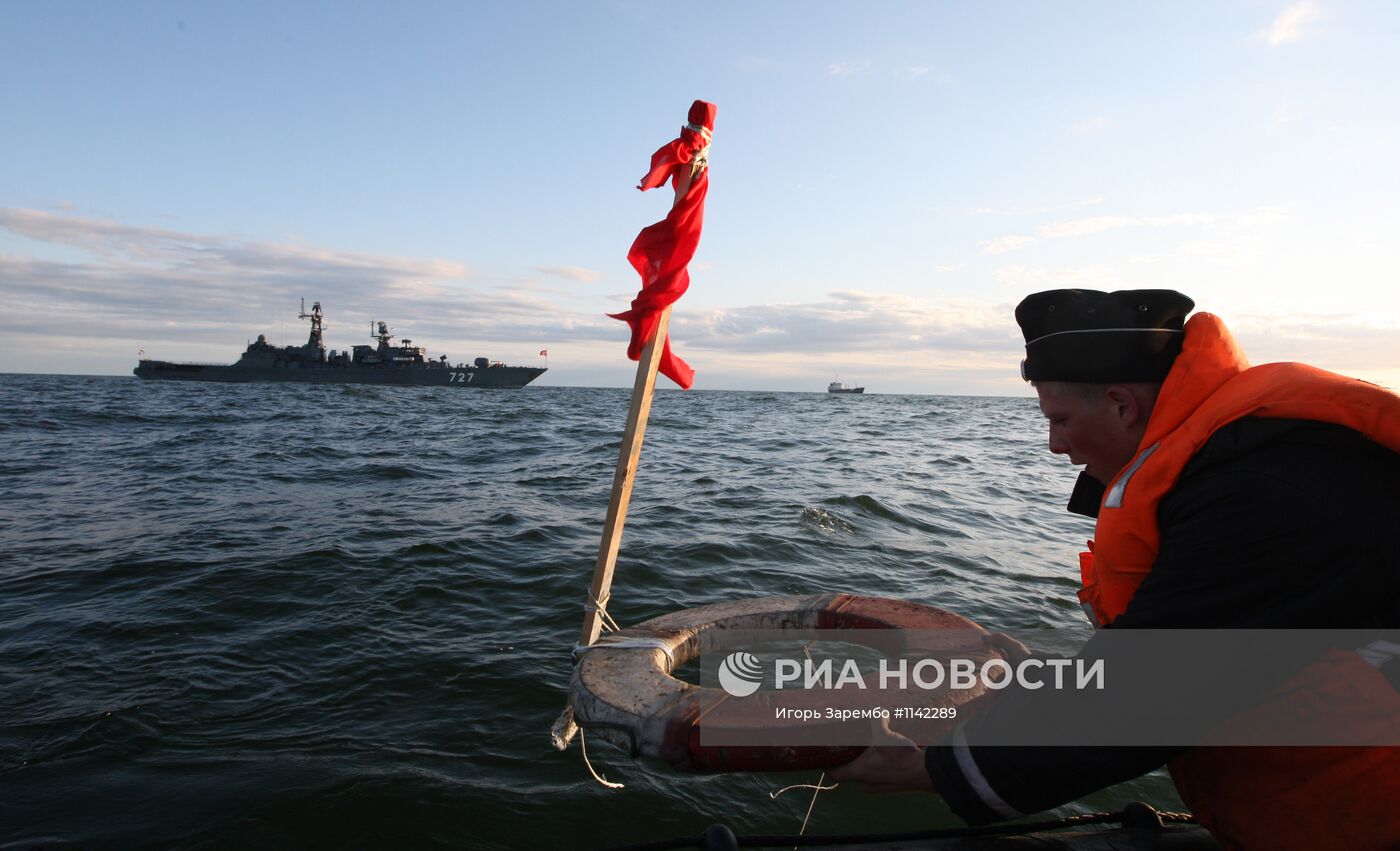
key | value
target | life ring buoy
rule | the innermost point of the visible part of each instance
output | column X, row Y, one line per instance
column 623, row 691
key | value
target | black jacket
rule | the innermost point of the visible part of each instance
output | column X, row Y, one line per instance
column 1274, row 524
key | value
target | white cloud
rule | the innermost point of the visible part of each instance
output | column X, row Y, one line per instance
column 1086, row 227
column 1285, row 113
column 188, row 296
column 1292, row 23
column 1030, row 278
column 137, row 282
column 1266, row 214
column 891, row 343
column 852, row 321
column 185, row 296
column 214, row 291
column 573, row 273
column 920, row 72
column 1003, row 244
column 1348, row 343
column 844, row 69
column 115, row 242
column 1030, row 209
column 1097, row 224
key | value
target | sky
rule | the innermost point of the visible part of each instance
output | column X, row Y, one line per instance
column 888, row 180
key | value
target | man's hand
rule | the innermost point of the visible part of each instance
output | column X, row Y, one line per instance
column 892, row 763
column 1012, row 650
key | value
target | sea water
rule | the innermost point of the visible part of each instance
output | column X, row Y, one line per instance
column 273, row 614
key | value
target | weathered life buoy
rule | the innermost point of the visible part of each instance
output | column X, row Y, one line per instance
column 623, row 690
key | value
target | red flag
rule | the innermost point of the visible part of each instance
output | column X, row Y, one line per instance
column 544, row 353
column 661, row 252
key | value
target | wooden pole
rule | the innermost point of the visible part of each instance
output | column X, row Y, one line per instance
column 627, row 457
column 626, row 475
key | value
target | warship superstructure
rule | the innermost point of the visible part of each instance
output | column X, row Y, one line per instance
column 385, row 363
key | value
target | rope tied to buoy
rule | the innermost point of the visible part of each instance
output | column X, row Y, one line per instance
column 603, row 781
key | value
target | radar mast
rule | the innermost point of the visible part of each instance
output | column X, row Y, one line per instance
column 383, row 336
column 315, row 316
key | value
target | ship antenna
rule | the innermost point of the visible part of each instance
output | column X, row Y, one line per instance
column 315, row 317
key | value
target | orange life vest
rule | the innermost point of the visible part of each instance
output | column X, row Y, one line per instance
column 1253, row 797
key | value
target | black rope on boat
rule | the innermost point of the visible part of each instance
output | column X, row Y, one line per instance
column 1135, row 815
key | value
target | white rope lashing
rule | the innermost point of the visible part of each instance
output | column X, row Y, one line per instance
column 583, row 746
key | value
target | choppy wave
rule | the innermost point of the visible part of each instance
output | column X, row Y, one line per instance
column 242, row 615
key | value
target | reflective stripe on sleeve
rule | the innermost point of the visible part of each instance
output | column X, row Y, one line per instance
column 1378, row 653
column 973, row 775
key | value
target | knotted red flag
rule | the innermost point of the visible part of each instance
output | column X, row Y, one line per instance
column 661, row 252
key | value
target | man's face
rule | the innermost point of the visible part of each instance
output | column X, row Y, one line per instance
column 1097, row 431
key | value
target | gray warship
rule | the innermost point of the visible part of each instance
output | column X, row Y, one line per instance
column 385, row 363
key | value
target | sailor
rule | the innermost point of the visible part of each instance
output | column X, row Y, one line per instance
column 1228, row 497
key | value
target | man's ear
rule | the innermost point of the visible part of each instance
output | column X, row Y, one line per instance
column 1127, row 407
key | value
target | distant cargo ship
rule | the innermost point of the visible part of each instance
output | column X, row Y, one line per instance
column 383, row 364
column 838, row 387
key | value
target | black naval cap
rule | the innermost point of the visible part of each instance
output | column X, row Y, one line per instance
column 1098, row 337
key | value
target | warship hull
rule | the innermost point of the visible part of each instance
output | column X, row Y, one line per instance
column 401, row 364
column 494, row 377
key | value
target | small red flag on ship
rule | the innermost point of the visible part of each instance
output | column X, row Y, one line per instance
column 544, row 353
column 661, row 252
